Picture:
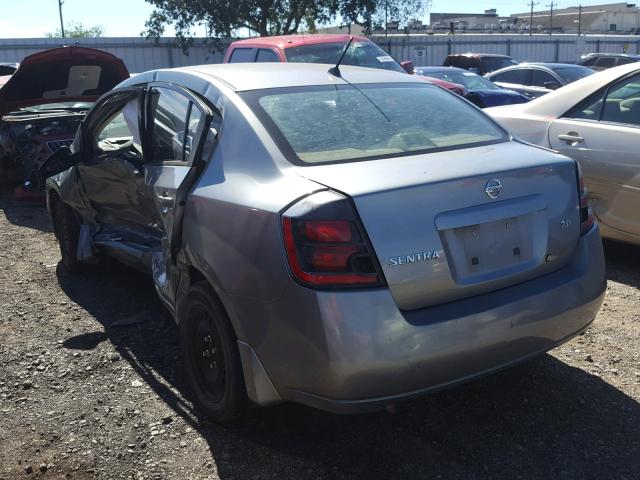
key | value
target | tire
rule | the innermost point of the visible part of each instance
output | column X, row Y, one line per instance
column 68, row 230
column 210, row 355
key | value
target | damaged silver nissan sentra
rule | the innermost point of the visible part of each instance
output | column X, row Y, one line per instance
column 345, row 239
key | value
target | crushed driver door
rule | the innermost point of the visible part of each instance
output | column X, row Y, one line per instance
column 178, row 125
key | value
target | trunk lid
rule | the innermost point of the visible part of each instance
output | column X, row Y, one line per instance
column 65, row 74
column 440, row 237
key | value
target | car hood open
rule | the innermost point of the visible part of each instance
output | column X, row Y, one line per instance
column 65, row 74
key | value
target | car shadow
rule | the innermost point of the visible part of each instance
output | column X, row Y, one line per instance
column 25, row 213
column 543, row 419
column 623, row 262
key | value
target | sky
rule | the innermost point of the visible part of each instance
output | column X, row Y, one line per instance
column 125, row 18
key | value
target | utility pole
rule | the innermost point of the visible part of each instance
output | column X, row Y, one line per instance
column 579, row 19
column 531, row 4
column 386, row 20
column 551, row 5
column 60, row 3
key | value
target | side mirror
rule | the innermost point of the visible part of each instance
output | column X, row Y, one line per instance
column 407, row 65
column 59, row 161
column 552, row 85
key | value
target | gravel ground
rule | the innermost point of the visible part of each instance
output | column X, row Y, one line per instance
column 90, row 388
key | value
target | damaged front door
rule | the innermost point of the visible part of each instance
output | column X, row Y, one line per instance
column 178, row 125
column 112, row 172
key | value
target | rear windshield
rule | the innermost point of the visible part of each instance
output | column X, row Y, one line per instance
column 571, row 74
column 326, row 124
column 360, row 54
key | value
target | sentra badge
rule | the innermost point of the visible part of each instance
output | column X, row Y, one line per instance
column 413, row 258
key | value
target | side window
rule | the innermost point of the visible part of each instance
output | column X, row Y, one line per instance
column 622, row 104
column 170, row 111
column 121, row 130
column 605, row 62
column 624, row 60
column 242, row 55
column 265, row 55
column 539, row 78
column 589, row 109
column 590, row 62
column 519, row 76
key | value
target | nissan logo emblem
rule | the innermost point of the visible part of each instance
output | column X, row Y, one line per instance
column 493, row 188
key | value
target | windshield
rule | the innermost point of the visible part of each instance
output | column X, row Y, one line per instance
column 470, row 80
column 360, row 54
column 324, row 124
column 571, row 74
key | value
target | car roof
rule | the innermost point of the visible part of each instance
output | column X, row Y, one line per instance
column 288, row 41
column 478, row 55
column 441, row 69
column 599, row 54
column 560, row 101
column 535, row 65
column 258, row 76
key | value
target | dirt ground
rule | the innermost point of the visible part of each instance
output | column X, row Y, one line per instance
column 90, row 387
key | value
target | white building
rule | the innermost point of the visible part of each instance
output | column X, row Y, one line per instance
column 618, row 18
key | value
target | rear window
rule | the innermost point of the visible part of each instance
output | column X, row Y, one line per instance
column 242, row 55
column 360, row 54
column 326, row 124
column 571, row 74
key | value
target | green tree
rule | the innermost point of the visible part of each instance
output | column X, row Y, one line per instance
column 271, row 17
column 77, row 30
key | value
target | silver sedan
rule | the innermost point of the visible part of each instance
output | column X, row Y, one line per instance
column 343, row 238
column 596, row 121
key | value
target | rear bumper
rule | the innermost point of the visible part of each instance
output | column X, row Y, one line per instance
column 356, row 351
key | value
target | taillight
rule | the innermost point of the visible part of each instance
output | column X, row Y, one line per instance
column 586, row 214
column 326, row 245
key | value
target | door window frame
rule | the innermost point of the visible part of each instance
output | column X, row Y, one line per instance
column 603, row 93
column 98, row 116
column 203, row 128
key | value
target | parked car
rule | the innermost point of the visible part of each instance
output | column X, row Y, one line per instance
column 480, row 91
column 325, row 48
column 43, row 102
column 602, row 61
column 480, row 63
column 596, row 121
column 316, row 243
column 537, row 79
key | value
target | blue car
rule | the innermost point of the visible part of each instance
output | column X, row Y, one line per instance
column 482, row 92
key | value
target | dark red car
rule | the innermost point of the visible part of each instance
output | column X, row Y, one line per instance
column 45, row 99
column 324, row 48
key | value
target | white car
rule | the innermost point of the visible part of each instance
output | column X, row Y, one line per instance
column 596, row 121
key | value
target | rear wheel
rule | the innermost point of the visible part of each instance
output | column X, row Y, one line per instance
column 210, row 355
column 68, row 231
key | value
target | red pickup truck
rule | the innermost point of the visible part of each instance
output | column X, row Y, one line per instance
column 325, row 48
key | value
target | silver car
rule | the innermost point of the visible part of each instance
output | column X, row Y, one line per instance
column 344, row 240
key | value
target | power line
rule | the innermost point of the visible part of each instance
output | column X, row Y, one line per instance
column 551, row 5
column 531, row 4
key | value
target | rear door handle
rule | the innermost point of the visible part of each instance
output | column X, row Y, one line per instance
column 570, row 138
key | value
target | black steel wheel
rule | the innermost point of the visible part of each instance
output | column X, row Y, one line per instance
column 210, row 355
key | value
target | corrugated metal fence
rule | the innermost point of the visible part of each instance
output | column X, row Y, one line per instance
column 432, row 49
column 140, row 54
